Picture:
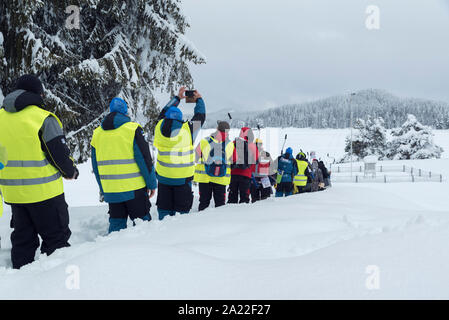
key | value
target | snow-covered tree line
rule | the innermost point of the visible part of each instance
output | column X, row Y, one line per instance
column 135, row 49
column 334, row 112
column 410, row 141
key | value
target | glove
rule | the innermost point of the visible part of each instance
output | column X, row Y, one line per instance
column 76, row 175
column 101, row 197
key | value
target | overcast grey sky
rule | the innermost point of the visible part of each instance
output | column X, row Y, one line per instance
column 265, row 53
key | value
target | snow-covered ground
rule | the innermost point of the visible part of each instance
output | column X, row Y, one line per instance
column 367, row 241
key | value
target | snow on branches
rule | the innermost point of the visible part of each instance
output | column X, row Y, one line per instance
column 135, row 49
column 413, row 141
column 410, row 141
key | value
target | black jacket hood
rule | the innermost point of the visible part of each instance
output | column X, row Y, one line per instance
column 114, row 120
column 20, row 99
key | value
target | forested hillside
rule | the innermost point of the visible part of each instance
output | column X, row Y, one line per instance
column 334, row 112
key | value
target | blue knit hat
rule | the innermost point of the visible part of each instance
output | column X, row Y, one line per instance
column 173, row 113
column 289, row 151
column 118, row 105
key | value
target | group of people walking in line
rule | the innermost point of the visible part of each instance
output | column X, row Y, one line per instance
column 34, row 158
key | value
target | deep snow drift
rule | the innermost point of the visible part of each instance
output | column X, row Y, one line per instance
column 320, row 245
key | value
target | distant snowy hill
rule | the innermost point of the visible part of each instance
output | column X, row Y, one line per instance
column 334, row 112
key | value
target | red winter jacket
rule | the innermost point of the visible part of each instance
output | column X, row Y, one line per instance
column 246, row 134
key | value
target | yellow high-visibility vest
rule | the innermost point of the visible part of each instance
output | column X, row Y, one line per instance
column 1, row 204
column 176, row 157
column 3, row 157
column 117, row 166
column 3, row 163
column 200, row 170
column 301, row 179
column 28, row 176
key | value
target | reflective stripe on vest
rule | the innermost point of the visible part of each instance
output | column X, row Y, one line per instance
column 200, row 171
column 176, row 156
column 120, row 176
column 3, row 163
column 114, row 150
column 29, row 182
column 27, row 164
column 300, row 179
column 176, row 165
column 28, row 177
column 200, row 174
column 113, row 162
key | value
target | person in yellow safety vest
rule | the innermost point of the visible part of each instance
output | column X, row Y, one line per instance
column 123, row 167
column 3, row 163
column 175, row 165
column 38, row 158
column 301, row 179
column 213, row 172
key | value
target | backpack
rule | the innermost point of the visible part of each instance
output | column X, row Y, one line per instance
column 216, row 165
column 245, row 165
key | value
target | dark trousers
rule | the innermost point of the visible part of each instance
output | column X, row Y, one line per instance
column 137, row 208
column 259, row 193
column 48, row 219
column 284, row 189
column 172, row 199
column 240, row 186
column 207, row 190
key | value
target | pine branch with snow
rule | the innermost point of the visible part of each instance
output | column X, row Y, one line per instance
column 135, row 49
column 413, row 141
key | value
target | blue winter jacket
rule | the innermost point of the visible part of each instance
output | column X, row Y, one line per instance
column 142, row 156
column 170, row 126
column 288, row 165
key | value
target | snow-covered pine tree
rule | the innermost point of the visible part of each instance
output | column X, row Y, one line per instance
column 359, row 143
column 135, row 49
column 369, row 138
column 413, row 141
